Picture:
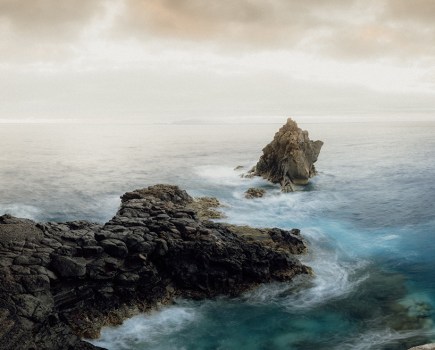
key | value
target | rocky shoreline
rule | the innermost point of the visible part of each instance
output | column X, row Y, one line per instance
column 60, row 282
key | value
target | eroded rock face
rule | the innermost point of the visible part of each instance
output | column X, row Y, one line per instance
column 289, row 159
column 62, row 281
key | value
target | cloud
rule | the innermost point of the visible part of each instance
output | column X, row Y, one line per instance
column 44, row 30
column 114, row 57
column 411, row 11
column 344, row 29
column 351, row 29
column 243, row 22
column 48, row 19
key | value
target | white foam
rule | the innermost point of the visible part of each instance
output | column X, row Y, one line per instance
column 389, row 237
column 268, row 211
column 334, row 277
column 21, row 211
column 277, row 208
column 219, row 175
column 372, row 340
column 144, row 331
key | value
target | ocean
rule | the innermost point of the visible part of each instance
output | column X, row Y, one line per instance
column 368, row 218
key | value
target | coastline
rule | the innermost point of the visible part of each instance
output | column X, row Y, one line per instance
column 64, row 281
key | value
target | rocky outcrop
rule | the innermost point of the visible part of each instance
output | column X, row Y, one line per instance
column 289, row 159
column 206, row 208
column 63, row 281
column 424, row 347
column 254, row 192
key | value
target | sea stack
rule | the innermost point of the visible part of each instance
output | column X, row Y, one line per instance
column 289, row 159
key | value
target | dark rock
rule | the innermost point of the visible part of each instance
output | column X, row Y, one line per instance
column 92, row 251
column 289, row 159
column 166, row 193
column 68, row 267
column 60, row 282
column 290, row 239
column 67, row 250
column 128, row 278
column 26, row 260
column 115, row 247
column 14, row 229
column 35, row 283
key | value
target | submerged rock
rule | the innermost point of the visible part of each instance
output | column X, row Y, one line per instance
column 289, row 159
column 254, row 192
column 63, row 281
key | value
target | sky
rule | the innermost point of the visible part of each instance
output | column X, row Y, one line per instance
column 181, row 60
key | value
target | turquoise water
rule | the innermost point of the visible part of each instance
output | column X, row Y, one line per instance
column 368, row 218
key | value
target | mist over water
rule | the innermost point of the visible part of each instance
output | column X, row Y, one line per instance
column 367, row 217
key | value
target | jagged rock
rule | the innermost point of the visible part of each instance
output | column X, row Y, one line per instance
column 63, row 281
column 289, row 159
column 254, row 193
column 276, row 238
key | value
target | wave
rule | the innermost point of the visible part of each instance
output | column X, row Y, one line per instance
column 21, row 211
column 335, row 274
column 147, row 330
column 219, row 175
column 334, row 277
column 379, row 339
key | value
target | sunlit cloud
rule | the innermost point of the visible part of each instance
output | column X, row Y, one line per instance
column 142, row 58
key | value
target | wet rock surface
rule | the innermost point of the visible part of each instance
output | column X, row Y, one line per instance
column 289, row 159
column 63, row 281
column 254, row 192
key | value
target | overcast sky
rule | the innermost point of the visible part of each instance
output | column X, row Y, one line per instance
column 164, row 60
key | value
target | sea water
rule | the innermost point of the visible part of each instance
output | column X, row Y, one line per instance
column 368, row 219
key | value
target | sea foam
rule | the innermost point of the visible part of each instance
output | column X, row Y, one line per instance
column 334, row 277
column 22, row 211
column 380, row 339
column 146, row 330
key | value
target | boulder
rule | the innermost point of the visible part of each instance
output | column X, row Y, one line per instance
column 254, row 192
column 114, row 247
column 67, row 267
column 289, row 159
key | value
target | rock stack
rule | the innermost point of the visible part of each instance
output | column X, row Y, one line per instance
column 289, row 159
